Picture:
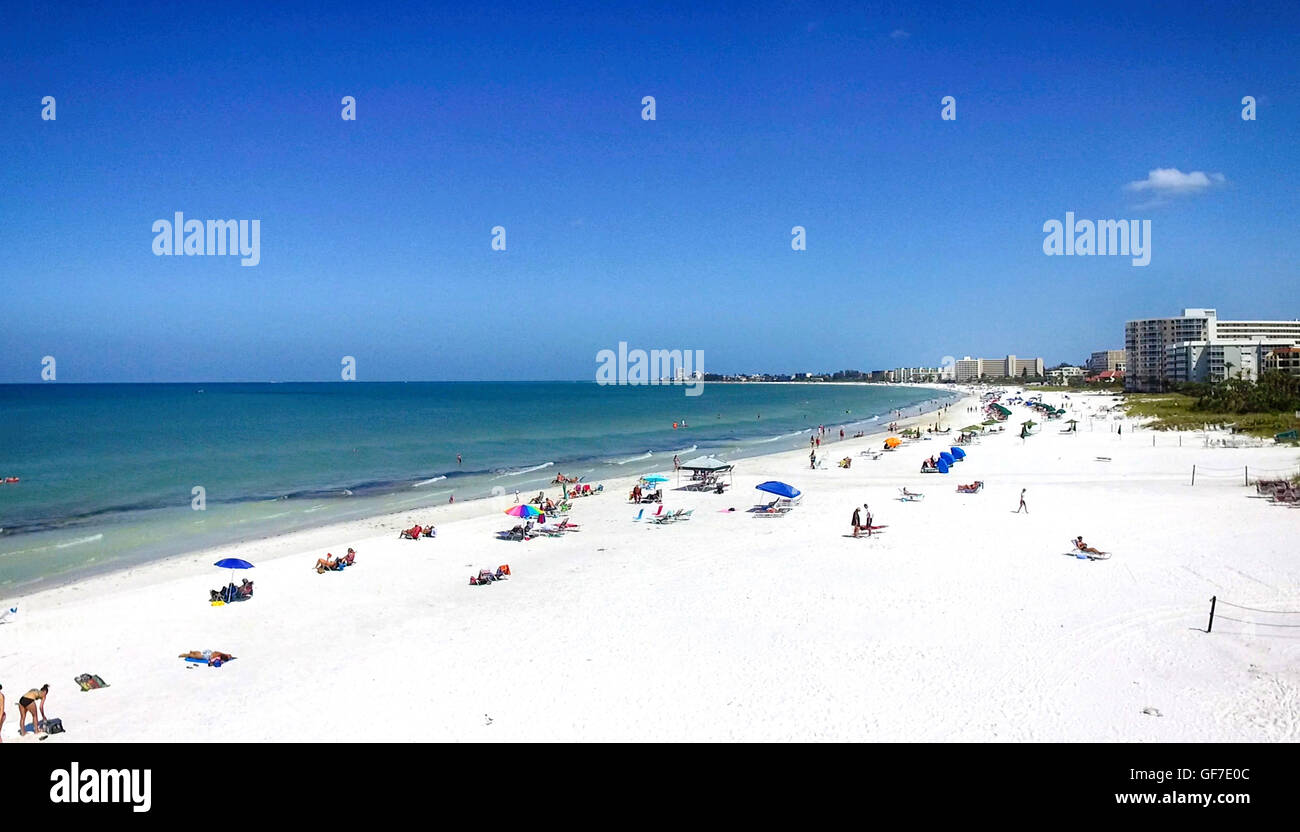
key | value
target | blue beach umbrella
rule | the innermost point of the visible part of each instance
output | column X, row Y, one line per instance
column 941, row 465
column 958, row 453
column 653, row 478
column 947, row 457
column 232, row 564
column 780, row 489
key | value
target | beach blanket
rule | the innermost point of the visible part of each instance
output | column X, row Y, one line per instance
column 89, row 681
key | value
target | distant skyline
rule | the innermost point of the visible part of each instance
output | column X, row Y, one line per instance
column 925, row 236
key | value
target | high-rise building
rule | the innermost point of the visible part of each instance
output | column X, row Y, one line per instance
column 1104, row 360
column 967, row 369
column 1147, row 343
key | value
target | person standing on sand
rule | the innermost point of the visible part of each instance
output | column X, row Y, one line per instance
column 857, row 521
column 812, row 459
column 677, row 463
column 867, row 526
column 1022, row 502
column 27, row 703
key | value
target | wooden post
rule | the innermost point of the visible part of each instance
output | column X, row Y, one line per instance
column 1247, row 470
column 1193, row 475
column 1210, row 627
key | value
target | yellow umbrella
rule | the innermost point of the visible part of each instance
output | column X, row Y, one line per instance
column 893, row 442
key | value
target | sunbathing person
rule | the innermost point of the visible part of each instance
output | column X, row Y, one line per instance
column 326, row 564
column 210, row 656
column 1084, row 547
column 907, row 493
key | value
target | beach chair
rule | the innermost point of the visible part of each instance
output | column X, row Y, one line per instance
column 662, row 519
column 412, row 533
column 639, row 515
column 909, row 497
column 1086, row 555
column 686, row 515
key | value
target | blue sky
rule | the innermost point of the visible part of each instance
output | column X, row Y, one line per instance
column 924, row 236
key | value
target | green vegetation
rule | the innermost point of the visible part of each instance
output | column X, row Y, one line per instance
column 1274, row 393
column 1179, row 411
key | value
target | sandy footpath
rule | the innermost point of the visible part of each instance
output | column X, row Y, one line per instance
column 962, row 620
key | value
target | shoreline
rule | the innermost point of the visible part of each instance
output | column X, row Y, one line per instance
column 469, row 507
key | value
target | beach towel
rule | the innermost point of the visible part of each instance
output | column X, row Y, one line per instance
column 89, row 681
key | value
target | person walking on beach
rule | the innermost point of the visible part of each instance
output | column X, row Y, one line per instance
column 27, row 703
column 677, row 463
column 812, row 459
column 1022, row 502
column 867, row 525
column 857, row 520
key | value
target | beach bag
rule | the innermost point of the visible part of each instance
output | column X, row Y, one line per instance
column 53, row 726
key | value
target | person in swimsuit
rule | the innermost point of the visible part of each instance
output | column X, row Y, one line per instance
column 325, row 564
column 2, row 713
column 1084, row 547
column 28, row 703
column 208, row 656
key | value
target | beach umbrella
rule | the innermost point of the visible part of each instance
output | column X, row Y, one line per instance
column 780, row 489
column 941, row 465
column 523, row 510
column 893, row 442
column 946, row 457
column 958, row 453
column 653, row 478
column 232, row 564
column 972, row 428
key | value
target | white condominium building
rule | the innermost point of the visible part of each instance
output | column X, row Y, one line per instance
column 1197, row 346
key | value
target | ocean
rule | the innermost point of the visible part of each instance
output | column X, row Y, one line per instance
column 108, row 472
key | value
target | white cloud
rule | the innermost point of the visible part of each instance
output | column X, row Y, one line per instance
column 1172, row 181
column 899, row 34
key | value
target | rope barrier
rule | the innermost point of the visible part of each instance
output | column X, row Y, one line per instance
column 1256, row 623
column 1254, row 609
column 1214, row 601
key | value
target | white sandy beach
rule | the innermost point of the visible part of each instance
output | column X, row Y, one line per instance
column 961, row 621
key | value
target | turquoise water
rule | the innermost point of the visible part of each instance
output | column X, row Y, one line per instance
column 107, row 471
